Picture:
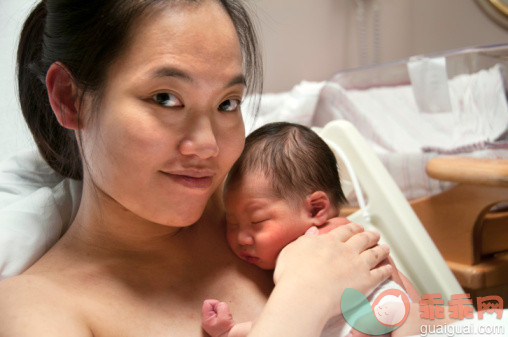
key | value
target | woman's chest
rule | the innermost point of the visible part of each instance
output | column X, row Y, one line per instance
column 177, row 311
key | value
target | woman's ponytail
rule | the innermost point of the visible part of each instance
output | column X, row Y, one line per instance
column 57, row 145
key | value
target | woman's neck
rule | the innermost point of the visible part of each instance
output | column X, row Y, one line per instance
column 170, row 271
column 102, row 226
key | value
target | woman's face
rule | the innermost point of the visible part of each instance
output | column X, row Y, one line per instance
column 169, row 126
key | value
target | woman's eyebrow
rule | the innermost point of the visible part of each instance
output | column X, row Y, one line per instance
column 168, row 71
column 239, row 79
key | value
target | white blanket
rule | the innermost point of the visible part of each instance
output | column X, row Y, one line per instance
column 36, row 206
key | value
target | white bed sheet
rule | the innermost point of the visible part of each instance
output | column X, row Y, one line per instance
column 36, row 206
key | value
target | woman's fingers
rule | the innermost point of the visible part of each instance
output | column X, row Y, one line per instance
column 346, row 231
column 381, row 273
column 346, row 257
column 363, row 241
column 375, row 255
column 339, row 221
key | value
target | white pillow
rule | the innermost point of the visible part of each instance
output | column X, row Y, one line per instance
column 36, row 207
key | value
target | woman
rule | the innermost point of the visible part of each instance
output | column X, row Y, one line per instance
column 144, row 107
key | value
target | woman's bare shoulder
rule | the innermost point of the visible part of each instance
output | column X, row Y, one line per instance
column 31, row 305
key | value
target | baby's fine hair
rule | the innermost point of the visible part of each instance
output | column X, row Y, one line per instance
column 295, row 160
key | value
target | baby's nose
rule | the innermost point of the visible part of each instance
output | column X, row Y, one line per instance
column 245, row 239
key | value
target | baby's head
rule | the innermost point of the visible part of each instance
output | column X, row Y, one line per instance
column 284, row 182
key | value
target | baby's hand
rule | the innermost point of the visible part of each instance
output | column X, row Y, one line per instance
column 216, row 318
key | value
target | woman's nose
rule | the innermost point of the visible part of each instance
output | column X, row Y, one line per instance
column 244, row 238
column 200, row 139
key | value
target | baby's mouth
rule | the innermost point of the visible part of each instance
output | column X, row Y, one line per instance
column 249, row 258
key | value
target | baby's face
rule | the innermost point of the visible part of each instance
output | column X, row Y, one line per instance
column 259, row 224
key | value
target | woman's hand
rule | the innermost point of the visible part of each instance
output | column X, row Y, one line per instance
column 396, row 276
column 326, row 265
column 311, row 274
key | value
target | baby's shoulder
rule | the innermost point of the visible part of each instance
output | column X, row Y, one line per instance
column 332, row 224
column 31, row 305
column 327, row 227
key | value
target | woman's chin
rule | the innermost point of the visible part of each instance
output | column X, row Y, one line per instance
column 185, row 217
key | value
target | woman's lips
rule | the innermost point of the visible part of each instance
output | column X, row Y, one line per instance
column 192, row 178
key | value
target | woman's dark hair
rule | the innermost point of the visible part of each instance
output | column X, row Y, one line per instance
column 294, row 158
column 87, row 37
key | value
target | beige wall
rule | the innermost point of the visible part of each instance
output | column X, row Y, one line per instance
column 312, row 39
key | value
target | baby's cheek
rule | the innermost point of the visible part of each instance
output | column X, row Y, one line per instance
column 274, row 242
column 231, row 236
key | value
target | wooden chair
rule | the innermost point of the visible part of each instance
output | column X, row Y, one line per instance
column 469, row 233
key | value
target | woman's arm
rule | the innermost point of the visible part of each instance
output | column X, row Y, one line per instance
column 311, row 274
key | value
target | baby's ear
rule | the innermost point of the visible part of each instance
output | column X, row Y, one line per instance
column 317, row 206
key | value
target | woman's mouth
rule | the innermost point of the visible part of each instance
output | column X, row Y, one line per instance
column 192, row 178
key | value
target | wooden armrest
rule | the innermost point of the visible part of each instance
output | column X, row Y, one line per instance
column 469, row 170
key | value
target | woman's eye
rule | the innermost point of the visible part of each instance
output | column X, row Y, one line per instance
column 166, row 99
column 229, row 105
column 258, row 222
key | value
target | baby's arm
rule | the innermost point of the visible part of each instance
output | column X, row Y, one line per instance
column 217, row 321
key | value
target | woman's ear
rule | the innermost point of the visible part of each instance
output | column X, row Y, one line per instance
column 317, row 206
column 63, row 96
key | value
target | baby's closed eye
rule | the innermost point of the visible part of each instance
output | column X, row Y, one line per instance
column 258, row 221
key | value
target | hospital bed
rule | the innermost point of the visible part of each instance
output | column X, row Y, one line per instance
column 460, row 182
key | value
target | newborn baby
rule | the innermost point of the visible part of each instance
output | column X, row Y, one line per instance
column 285, row 182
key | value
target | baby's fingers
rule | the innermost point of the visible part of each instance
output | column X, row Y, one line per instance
column 209, row 309
column 223, row 312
